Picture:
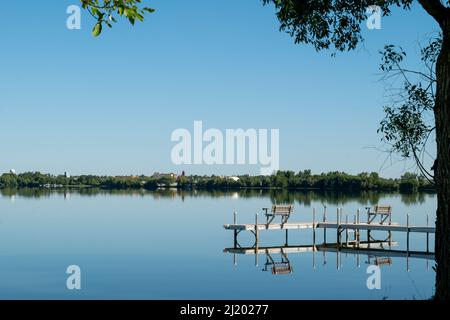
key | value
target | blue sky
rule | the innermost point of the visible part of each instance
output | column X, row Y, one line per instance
column 108, row 105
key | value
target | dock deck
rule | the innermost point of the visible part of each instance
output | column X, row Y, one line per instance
column 331, row 225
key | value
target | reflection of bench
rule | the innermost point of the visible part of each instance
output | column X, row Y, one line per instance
column 383, row 211
column 279, row 267
column 383, row 261
column 284, row 211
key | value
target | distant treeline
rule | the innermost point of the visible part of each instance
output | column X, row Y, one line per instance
column 281, row 180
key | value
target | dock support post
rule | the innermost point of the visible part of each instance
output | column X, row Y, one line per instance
column 368, row 230
column 338, row 228
column 314, row 238
column 407, row 242
column 314, row 259
column 325, row 220
column 428, row 235
column 235, row 231
column 324, row 234
column 407, row 233
column 358, row 236
column 390, row 239
column 314, row 227
column 256, row 239
column 338, row 260
column 346, row 230
column 256, row 229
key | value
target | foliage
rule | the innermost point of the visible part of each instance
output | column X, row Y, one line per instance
column 409, row 119
column 106, row 11
column 328, row 24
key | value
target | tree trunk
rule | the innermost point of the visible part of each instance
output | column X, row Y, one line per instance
column 442, row 169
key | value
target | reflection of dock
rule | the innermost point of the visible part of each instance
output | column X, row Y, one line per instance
column 379, row 252
column 271, row 250
column 373, row 249
column 363, row 246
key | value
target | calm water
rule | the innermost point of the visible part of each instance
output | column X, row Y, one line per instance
column 169, row 245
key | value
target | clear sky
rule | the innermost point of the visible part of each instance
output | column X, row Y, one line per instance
column 108, row 105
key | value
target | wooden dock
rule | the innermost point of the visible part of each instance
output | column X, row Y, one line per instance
column 348, row 237
column 393, row 227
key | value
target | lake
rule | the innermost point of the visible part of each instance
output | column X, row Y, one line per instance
column 169, row 244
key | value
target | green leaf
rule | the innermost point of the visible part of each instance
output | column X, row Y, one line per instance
column 97, row 29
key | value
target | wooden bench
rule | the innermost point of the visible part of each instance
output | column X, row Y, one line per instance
column 383, row 211
column 284, row 211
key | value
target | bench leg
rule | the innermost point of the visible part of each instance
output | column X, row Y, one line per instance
column 269, row 221
column 284, row 219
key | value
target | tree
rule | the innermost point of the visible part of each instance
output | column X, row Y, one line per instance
column 336, row 25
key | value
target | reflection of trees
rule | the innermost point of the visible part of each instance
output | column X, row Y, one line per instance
column 305, row 197
column 327, row 197
column 415, row 197
column 26, row 193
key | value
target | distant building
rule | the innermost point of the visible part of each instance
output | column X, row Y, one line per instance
column 12, row 171
column 158, row 175
column 235, row 179
column 66, row 174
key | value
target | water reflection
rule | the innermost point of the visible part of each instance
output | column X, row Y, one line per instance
column 303, row 197
column 379, row 253
column 109, row 231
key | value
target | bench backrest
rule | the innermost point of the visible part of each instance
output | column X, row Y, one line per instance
column 283, row 209
column 382, row 209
